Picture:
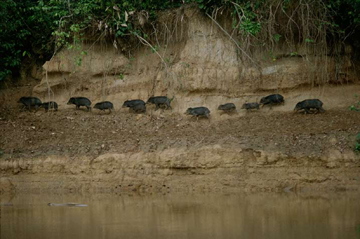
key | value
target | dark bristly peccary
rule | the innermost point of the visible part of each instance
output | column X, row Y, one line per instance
column 160, row 101
column 105, row 105
column 198, row 112
column 274, row 99
column 132, row 103
column 29, row 102
column 309, row 104
column 137, row 106
column 228, row 107
column 250, row 106
column 80, row 101
column 49, row 105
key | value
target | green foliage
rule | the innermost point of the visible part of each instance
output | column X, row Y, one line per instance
column 345, row 15
column 155, row 49
column 277, row 37
column 33, row 28
column 186, row 65
column 13, row 37
column 356, row 105
column 272, row 56
column 357, row 143
column 244, row 13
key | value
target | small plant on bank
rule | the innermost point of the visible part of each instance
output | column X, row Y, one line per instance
column 356, row 106
column 357, row 143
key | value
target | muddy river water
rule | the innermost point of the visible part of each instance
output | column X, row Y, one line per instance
column 264, row 215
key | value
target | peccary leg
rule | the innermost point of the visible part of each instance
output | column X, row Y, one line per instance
column 23, row 107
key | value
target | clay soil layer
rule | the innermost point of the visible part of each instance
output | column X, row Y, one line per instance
column 263, row 150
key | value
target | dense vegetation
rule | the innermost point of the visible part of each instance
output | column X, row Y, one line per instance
column 38, row 28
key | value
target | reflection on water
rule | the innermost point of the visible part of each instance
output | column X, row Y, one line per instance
column 181, row 216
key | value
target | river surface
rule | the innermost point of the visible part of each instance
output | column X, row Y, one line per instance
column 265, row 215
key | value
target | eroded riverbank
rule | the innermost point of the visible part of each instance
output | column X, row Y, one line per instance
column 260, row 151
column 211, row 168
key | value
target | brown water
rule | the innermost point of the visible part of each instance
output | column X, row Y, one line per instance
column 268, row 216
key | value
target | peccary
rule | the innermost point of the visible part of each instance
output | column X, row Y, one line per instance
column 105, row 105
column 131, row 103
column 80, row 101
column 49, row 105
column 198, row 112
column 137, row 106
column 306, row 105
column 159, row 101
column 30, row 101
column 250, row 106
column 275, row 99
column 228, row 107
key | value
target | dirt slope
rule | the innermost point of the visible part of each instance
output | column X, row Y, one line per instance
column 269, row 149
column 77, row 132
